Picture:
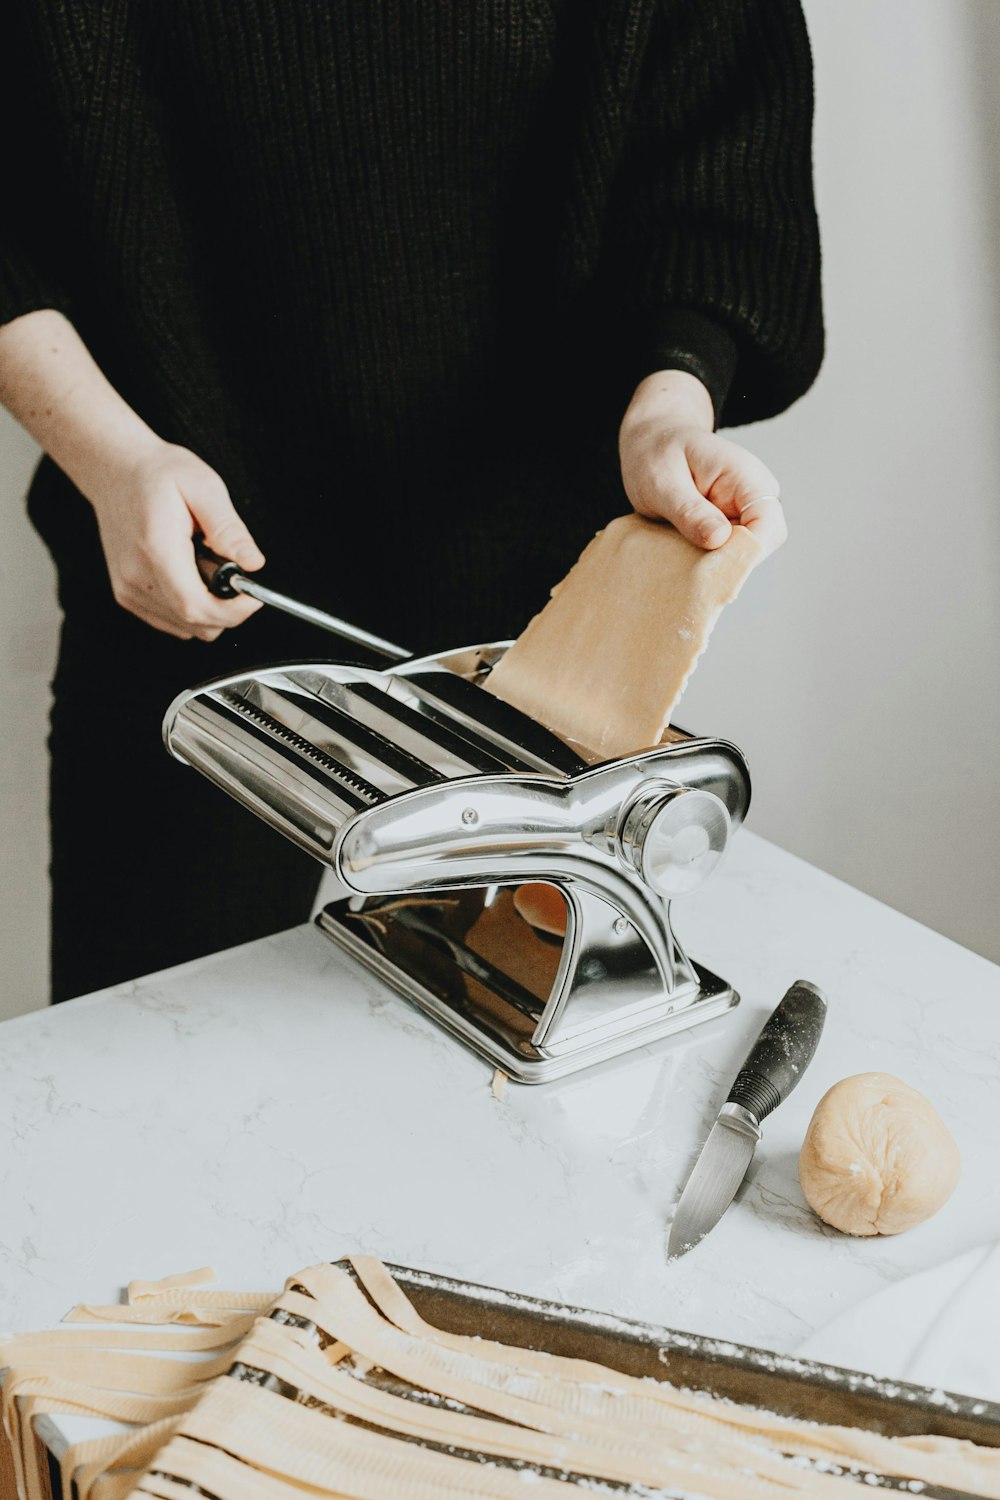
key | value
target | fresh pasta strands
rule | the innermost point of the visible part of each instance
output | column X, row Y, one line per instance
column 268, row 1431
column 177, row 1340
column 219, row 1474
column 94, row 1466
column 213, row 1318
column 113, row 1385
column 375, row 1474
column 26, row 1398
column 125, row 1372
column 346, row 1391
column 841, row 1445
column 352, row 1460
column 476, row 1384
column 181, row 1298
column 582, row 1388
column 548, row 1438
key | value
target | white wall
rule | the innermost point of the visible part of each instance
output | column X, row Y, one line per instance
column 28, row 632
column 861, row 669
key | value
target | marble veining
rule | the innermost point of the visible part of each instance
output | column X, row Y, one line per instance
column 275, row 1105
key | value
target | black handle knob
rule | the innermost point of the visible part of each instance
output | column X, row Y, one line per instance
column 216, row 572
column 780, row 1055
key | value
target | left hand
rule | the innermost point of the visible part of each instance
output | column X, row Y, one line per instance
column 676, row 468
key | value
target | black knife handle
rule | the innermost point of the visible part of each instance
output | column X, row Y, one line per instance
column 782, row 1052
column 216, row 572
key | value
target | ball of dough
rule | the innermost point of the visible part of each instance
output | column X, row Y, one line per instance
column 877, row 1157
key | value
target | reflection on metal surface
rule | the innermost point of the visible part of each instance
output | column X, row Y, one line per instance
column 520, row 998
column 431, row 800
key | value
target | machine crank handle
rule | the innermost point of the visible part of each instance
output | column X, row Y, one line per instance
column 223, row 578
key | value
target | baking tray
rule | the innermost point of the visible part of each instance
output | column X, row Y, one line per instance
column 758, row 1378
column 772, row 1382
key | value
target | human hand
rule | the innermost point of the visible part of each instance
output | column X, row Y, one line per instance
column 676, row 468
column 149, row 507
column 149, row 496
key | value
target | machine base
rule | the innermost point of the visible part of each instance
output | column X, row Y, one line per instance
column 456, row 956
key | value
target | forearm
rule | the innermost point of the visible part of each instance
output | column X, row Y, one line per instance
column 150, row 497
column 51, row 384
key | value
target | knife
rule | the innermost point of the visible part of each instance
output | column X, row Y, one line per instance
column 778, row 1058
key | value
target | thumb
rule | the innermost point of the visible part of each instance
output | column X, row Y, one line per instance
column 216, row 517
column 672, row 495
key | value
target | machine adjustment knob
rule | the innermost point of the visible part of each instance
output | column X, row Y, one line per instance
column 673, row 837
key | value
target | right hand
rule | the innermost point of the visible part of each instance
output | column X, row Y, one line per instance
column 148, row 511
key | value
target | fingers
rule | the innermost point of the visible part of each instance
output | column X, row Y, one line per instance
column 181, row 604
column 664, row 488
column 163, row 588
column 765, row 520
column 147, row 524
column 225, row 533
column 740, row 484
column 702, row 483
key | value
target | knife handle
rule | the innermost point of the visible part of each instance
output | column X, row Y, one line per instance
column 782, row 1052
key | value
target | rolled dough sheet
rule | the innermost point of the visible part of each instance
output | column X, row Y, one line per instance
column 608, row 658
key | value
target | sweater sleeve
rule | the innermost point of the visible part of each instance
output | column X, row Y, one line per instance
column 712, row 227
column 33, row 238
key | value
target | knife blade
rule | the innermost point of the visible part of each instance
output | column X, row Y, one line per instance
column 775, row 1063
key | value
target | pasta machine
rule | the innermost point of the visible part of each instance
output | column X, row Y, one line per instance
column 436, row 806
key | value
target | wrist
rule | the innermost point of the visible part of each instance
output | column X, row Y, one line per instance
column 671, row 398
column 99, row 467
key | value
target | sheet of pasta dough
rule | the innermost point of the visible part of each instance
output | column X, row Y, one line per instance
column 608, row 658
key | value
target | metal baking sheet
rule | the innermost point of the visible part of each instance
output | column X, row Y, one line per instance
column 758, row 1378
column 779, row 1383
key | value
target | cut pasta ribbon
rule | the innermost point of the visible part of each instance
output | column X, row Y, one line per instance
column 344, row 1390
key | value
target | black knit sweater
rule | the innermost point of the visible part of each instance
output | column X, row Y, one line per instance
column 394, row 266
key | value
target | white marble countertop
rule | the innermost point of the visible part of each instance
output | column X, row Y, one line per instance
column 274, row 1106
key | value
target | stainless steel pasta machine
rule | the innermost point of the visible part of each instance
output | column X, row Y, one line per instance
column 434, row 804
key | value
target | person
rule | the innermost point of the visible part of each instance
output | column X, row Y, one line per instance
column 409, row 298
